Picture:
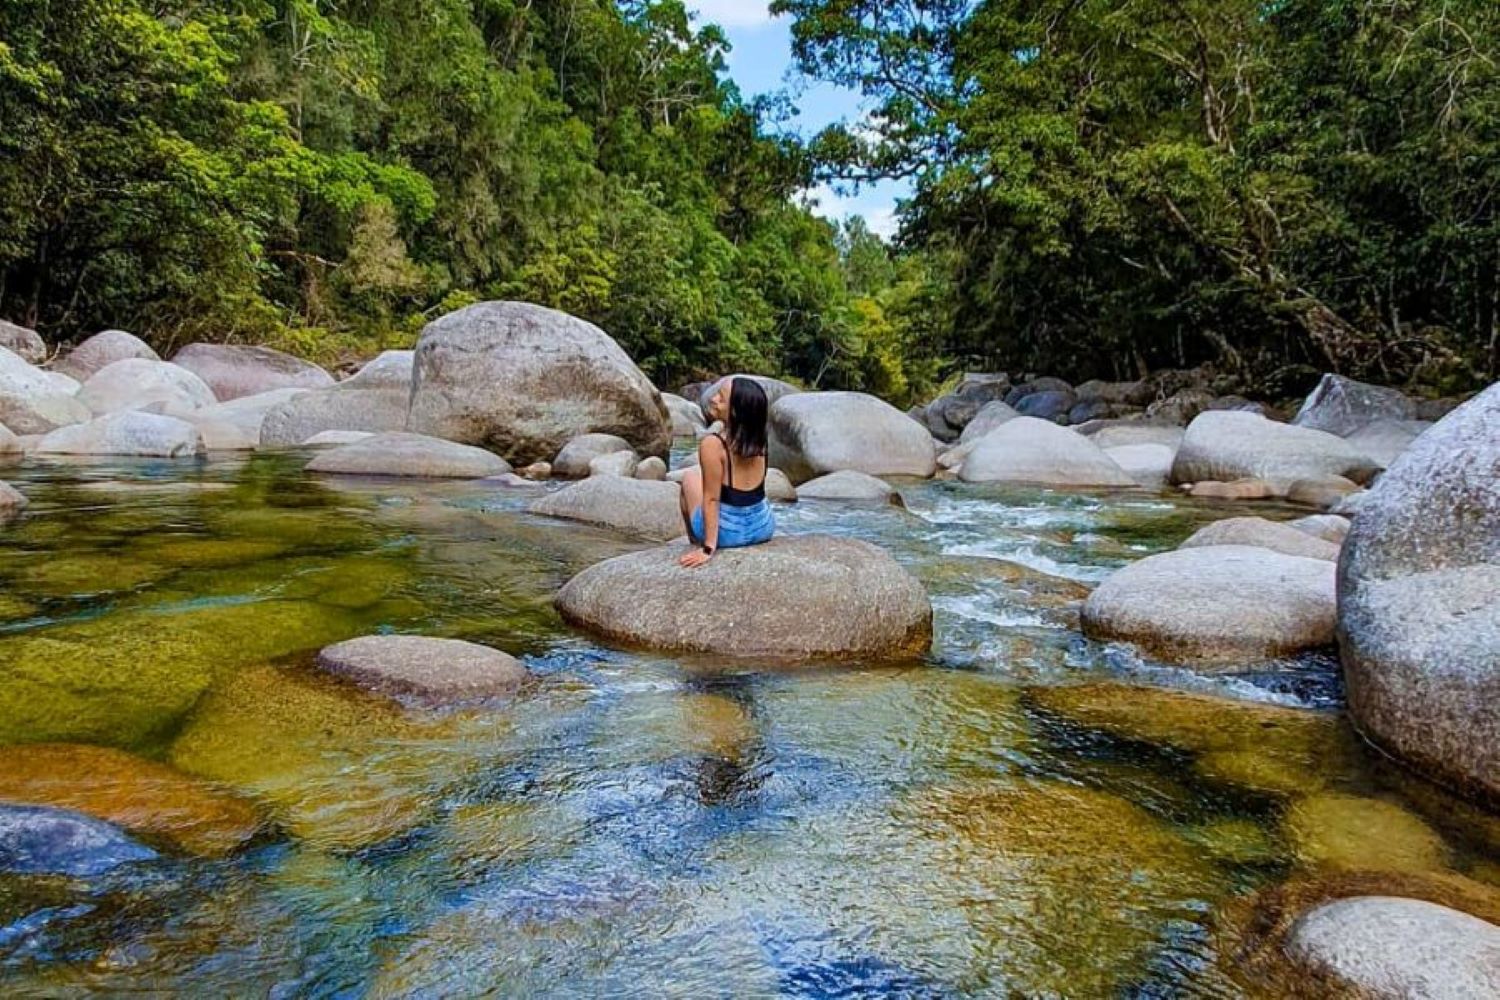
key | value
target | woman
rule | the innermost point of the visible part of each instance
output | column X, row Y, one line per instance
column 724, row 500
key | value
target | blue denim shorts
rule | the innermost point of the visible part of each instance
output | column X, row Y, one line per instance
column 739, row 526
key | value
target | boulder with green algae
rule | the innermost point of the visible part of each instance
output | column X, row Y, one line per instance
column 128, row 678
column 84, row 574
column 338, row 768
column 13, row 608
column 188, row 551
column 148, row 799
column 1352, row 832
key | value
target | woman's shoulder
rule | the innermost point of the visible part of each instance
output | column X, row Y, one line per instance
column 711, row 446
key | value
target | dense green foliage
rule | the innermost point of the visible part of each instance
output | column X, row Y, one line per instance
column 327, row 176
column 1274, row 186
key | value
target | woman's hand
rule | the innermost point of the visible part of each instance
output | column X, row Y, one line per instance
column 694, row 559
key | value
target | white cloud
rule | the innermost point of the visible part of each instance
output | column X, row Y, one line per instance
column 733, row 13
column 878, row 208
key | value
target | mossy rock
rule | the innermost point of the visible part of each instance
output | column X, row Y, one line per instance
column 339, row 768
column 1237, row 841
column 13, row 608
column 86, row 574
column 149, row 799
column 300, row 529
column 1355, row 833
column 209, row 552
column 127, row 679
column 354, row 582
column 1265, row 748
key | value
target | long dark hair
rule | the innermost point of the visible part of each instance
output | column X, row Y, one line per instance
column 747, row 418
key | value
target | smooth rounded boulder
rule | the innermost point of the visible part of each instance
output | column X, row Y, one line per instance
column 33, row 401
column 409, row 455
column 634, row 506
column 1150, row 465
column 687, row 416
column 24, row 343
column 1384, row 441
column 136, row 383
column 523, row 380
column 815, row 433
column 236, row 370
column 793, row 599
column 774, row 389
column 429, row 671
column 849, row 486
column 1227, row 445
column 990, row 416
column 1419, row 622
column 36, row 840
column 1264, row 534
column 375, row 400
column 101, row 350
column 134, row 434
column 1221, row 605
column 578, row 454
column 1038, row 452
column 1389, row 946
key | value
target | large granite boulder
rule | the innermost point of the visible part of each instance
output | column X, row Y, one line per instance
column 375, row 400
column 774, row 388
column 574, row 461
column 1383, row 441
column 428, row 671
column 849, row 486
column 1397, row 948
column 947, row 416
column 35, row 840
column 136, row 434
column 1225, row 445
column 1126, row 433
column 815, row 433
column 147, row 798
column 1028, row 450
column 990, row 416
column 409, row 455
column 1419, row 622
column 1342, row 406
column 807, row 597
column 9, row 443
column 236, row 425
column 1220, row 605
column 634, row 506
column 1264, row 534
column 687, row 416
column 33, row 401
column 522, row 381
column 25, row 344
column 1150, row 465
column 103, row 349
column 235, row 370
column 137, row 383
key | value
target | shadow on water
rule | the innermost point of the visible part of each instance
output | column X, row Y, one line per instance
column 1026, row 813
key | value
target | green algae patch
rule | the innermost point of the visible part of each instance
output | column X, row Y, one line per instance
column 1351, row 832
column 127, row 679
column 340, row 769
column 1236, row 841
column 13, row 608
column 303, row 530
column 87, row 574
column 1263, row 748
column 146, row 798
column 353, row 582
column 210, row 552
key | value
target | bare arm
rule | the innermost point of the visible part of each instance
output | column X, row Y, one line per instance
column 711, row 460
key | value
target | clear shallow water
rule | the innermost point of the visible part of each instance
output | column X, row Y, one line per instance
column 1015, row 816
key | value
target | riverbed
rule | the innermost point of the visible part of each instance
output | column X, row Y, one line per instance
column 1025, row 812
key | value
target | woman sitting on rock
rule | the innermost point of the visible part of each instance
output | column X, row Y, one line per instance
column 724, row 500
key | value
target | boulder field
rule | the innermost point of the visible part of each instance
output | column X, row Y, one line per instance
column 794, row 599
column 1418, row 617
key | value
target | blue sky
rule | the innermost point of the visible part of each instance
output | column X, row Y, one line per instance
column 762, row 62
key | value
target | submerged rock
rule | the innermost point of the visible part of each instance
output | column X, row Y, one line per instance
column 634, row 506
column 1341, row 406
column 815, row 433
column 1224, row 446
column 1028, row 450
column 41, row 841
column 433, row 671
column 1419, row 623
column 1390, row 947
column 131, row 433
column 236, row 370
column 795, row 598
column 1348, row 831
column 1264, row 534
column 1217, row 605
column 136, row 383
column 144, row 797
column 522, row 380
column 103, row 349
column 849, row 485
column 409, row 455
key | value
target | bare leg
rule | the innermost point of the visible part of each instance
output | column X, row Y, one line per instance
column 691, row 498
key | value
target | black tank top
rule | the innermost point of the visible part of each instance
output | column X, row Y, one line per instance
column 731, row 497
